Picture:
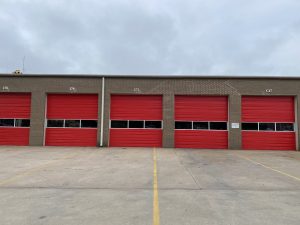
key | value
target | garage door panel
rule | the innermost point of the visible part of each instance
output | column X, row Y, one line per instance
column 71, row 137
column 67, row 107
column 135, row 138
column 14, row 136
column 266, row 113
column 204, row 108
column 254, row 140
column 201, row 139
column 15, row 105
column 72, row 106
column 268, row 109
column 136, row 107
column 198, row 122
column 139, row 110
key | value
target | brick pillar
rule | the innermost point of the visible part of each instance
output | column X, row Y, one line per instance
column 168, row 121
column 38, row 105
column 235, row 137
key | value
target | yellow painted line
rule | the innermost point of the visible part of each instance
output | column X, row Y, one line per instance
column 155, row 190
column 33, row 170
column 270, row 168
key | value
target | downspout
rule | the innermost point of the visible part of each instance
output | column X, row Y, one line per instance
column 102, row 112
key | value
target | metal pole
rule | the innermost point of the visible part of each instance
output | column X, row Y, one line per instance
column 102, row 112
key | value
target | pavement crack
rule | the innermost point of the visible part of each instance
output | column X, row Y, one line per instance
column 187, row 170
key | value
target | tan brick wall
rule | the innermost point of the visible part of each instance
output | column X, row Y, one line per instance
column 234, row 88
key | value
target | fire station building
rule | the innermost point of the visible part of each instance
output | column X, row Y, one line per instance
column 200, row 112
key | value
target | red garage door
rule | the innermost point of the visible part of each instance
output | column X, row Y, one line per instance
column 201, row 122
column 72, row 120
column 136, row 121
column 268, row 123
column 14, row 118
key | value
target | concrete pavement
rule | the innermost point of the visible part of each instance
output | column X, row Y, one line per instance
column 89, row 186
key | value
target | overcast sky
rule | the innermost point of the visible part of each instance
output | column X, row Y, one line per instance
column 195, row 37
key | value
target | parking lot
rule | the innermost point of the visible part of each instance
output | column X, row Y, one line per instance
column 117, row 186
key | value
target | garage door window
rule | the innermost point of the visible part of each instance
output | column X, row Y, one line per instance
column 22, row 123
column 249, row 126
column 6, row 122
column 200, row 126
column 267, row 126
column 153, row 124
column 183, row 125
column 259, row 126
column 14, row 123
column 119, row 124
column 284, row 126
column 218, row 125
column 72, row 123
column 136, row 124
column 55, row 123
column 196, row 125
column 89, row 123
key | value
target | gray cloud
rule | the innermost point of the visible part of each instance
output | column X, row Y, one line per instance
column 227, row 37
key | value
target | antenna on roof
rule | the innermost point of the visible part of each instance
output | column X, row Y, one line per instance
column 23, row 62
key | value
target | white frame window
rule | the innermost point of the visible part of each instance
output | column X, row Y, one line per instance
column 208, row 128
column 143, row 121
column 15, row 124
column 64, row 123
column 275, row 126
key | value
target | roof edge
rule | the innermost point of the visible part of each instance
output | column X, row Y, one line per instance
column 153, row 76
